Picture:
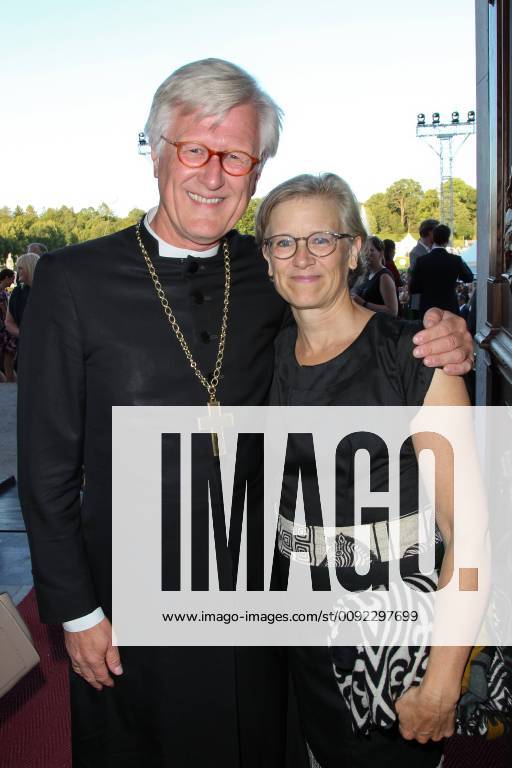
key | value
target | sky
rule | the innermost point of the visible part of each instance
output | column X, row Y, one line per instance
column 77, row 79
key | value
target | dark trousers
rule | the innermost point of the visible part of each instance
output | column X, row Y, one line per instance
column 184, row 707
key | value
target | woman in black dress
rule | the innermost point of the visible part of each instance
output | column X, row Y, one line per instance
column 25, row 266
column 389, row 262
column 342, row 353
column 377, row 291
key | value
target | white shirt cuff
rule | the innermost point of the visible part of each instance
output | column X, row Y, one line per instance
column 84, row 622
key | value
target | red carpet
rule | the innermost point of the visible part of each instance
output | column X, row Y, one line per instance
column 34, row 715
column 473, row 752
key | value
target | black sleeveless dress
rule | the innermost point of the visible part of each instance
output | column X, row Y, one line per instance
column 377, row 369
column 369, row 290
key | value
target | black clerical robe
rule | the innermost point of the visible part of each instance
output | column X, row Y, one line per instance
column 95, row 335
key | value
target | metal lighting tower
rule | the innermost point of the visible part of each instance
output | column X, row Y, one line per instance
column 450, row 138
column 143, row 144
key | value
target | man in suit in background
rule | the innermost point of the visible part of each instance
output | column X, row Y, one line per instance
column 422, row 247
column 434, row 276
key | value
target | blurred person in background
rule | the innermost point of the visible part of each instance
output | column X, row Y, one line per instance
column 389, row 261
column 463, row 297
column 435, row 275
column 377, row 291
column 422, row 247
column 25, row 267
column 7, row 342
column 37, row 248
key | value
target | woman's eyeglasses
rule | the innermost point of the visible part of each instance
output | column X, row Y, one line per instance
column 319, row 244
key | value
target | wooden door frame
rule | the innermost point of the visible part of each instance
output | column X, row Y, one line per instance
column 494, row 142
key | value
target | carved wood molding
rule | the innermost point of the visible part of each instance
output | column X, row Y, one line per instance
column 500, row 346
column 507, row 235
column 484, row 336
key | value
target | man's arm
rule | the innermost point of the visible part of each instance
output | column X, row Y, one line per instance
column 51, row 411
column 427, row 711
column 84, row 622
column 93, row 656
column 415, row 281
column 11, row 325
column 465, row 273
column 445, row 343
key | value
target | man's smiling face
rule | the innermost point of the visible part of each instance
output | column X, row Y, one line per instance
column 199, row 205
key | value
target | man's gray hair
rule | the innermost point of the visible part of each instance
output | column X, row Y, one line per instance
column 213, row 87
column 38, row 248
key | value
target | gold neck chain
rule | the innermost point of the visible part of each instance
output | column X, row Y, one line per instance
column 210, row 386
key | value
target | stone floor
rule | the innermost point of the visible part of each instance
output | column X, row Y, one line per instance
column 8, row 394
column 15, row 567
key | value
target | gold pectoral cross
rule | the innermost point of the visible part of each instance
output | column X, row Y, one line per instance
column 214, row 423
column 215, row 436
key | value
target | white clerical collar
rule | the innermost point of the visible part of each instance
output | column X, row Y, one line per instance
column 171, row 251
column 435, row 247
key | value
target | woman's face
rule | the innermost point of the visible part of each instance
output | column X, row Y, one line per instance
column 306, row 281
column 7, row 282
column 374, row 257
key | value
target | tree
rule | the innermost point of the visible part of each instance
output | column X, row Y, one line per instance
column 380, row 218
column 105, row 212
column 389, row 214
column 48, row 232
column 464, row 209
column 8, row 239
column 56, row 227
column 133, row 217
column 245, row 224
column 404, row 197
column 428, row 207
column 30, row 214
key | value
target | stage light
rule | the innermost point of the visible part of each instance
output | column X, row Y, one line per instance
column 471, row 116
column 421, row 119
column 455, row 117
column 435, row 118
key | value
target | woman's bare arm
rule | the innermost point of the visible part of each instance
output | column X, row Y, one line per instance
column 388, row 292
column 428, row 710
column 11, row 325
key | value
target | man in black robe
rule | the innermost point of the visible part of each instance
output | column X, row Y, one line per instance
column 89, row 344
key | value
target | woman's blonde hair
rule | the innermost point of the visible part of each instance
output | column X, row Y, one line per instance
column 29, row 261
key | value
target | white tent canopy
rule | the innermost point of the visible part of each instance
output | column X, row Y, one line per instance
column 469, row 256
column 405, row 246
column 364, row 218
